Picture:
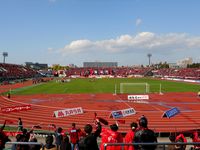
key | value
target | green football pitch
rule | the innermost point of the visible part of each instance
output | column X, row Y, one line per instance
column 105, row 85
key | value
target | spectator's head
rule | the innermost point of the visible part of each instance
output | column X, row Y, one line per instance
column 172, row 137
column 143, row 122
column 24, row 131
column 59, row 130
column 20, row 119
column 66, row 139
column 133, row 126
column 88, row 128
column 18, row 137
column 114, row 127
column 73, row 125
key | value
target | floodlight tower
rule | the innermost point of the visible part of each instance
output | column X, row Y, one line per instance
column 5, row 54
column 149, row 56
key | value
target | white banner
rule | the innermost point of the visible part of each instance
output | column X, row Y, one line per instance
column 137, row 97
column 68, row 112
column 123, row 113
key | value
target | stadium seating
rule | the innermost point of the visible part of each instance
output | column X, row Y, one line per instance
column 13, row 71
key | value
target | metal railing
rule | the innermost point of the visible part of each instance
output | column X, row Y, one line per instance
column 22, row 143
column 160, row 145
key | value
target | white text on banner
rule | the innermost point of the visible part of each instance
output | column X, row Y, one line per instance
column 137, row 97
column 68, row 112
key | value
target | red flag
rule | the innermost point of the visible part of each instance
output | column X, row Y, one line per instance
column 121, row 121
column 100, row 119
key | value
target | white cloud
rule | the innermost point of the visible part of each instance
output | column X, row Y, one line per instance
column 142, row 42
column 77, row 46
column 130, row 49
column 138, row 22
column 50, row 49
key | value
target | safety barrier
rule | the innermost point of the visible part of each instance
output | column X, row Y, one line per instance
column 160, row 145
column 21, row 143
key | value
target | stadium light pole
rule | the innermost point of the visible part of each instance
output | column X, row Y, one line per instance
column 5, row 54
column 149, row 56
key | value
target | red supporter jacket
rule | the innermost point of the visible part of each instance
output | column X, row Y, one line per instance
column 129, row 139
column 74, row 136
column 196, row 139
column 109, row 136
column 181, row 136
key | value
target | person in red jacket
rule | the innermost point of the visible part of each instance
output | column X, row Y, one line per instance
column 130, row 136
column 180, row 139
column 195, row 138
column 111, row 136
column 74, row 136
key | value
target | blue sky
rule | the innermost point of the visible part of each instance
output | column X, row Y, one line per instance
column 73, row 31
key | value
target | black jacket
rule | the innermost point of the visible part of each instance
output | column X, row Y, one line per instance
column 89, row 142
column 145, row 135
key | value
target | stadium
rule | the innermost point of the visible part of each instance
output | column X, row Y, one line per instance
column 76, row 95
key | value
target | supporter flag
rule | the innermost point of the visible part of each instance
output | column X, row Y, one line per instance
column 121, row 121
column 102, row 120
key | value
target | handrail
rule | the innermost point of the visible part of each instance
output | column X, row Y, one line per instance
column 160, row 143
column 25, row 143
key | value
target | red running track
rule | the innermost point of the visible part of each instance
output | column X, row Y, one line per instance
column 44, row 105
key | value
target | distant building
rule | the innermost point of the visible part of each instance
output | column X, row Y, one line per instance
column 184, row 62
column 36, row 66
column 72, row 65
column 100, row 64
column 173, row 65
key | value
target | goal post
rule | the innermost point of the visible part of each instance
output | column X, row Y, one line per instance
column 140, row 88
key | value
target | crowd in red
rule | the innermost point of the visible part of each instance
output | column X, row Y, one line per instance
column 76, row 139
column 13, row 71
column 181, row 73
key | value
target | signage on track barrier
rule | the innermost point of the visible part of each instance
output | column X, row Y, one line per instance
column 68, row 112
column 171, row 113
column 122, row 113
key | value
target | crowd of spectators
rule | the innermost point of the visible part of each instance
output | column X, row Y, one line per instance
column 181, row 73
column 76, row 139
column 115, row 71
column 10, row 72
